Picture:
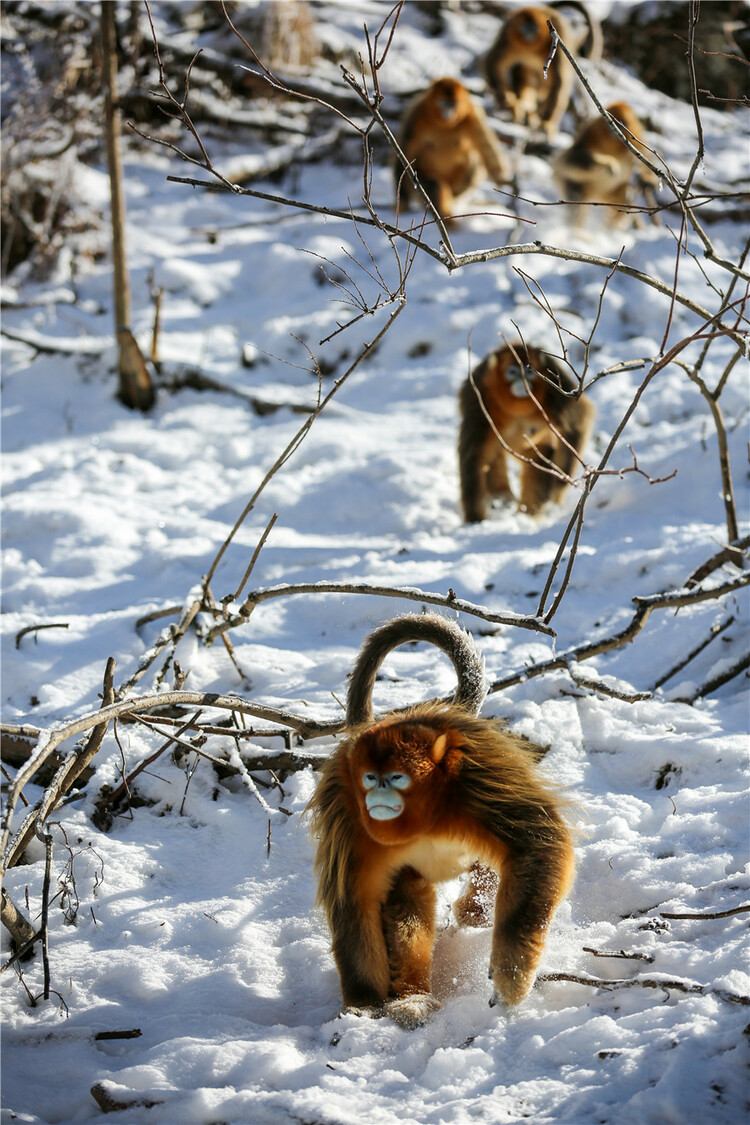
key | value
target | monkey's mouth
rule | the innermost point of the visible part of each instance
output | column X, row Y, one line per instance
column 384, row 812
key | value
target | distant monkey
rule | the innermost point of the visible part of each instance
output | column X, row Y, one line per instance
column 598, row 167
column 524, row 392
column 515, row 63
column 415, row 798
column 448, row 142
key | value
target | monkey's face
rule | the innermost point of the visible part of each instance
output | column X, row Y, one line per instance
column 448, row 99
column 511, row 383
column 399, row 772
column 383, row 797
column 519, row 378
column 527, row 25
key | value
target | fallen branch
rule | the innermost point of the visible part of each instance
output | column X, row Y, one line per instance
column 20, row 929
column 108, row 1103
column 197, row 381
column 63, row 346
column 410, row 593
column 36, row 628
column 727, row 554
column 648, row 982
column 605, row 689
column 619, row 953
column 716, row 631
column 715, row 914
column 69, row 771
column 722, row 678
column 51, row 739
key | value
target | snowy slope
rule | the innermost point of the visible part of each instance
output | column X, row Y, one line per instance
column 187, row 927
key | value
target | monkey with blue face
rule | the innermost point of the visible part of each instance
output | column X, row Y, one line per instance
column 415, row 798
column 521, row 403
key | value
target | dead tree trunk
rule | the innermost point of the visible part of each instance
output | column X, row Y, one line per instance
column 136, row 389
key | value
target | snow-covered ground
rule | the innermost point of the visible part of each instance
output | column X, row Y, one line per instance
column 188, row 928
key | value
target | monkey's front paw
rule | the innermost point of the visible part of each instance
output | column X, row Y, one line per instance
column 411, row 1011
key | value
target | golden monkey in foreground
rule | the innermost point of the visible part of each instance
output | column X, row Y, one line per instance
column 413, row 799
column 446, row 139
column 527, row 394
column 598, row 167
column 515, row 63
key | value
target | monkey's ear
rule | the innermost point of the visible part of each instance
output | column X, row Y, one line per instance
column 439, row 746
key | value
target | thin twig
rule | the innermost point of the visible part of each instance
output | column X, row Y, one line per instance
column 716, row 631
column 36, row 628
column 46, row 839
column 620, row 953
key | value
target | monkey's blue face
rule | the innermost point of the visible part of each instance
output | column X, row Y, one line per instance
column 519, row 379
column 382, row 796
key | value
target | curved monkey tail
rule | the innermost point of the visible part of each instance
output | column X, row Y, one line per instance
column 442, row 632
column 590, row 43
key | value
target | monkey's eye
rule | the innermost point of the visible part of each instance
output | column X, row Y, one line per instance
column 370, row 780
column 399, row 780
column 514, row 372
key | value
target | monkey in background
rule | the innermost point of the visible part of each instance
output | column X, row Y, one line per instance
column 415, row 798
column 528, row 396
column 598, row 167
column 449, row 144
column 514, row 65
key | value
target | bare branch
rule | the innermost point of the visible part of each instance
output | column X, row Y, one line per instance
column 716, row 631
column 666, row 983
column 36, row 628
column 69, row 771
column 671, row 600
column 410, row 593
column 703, row 916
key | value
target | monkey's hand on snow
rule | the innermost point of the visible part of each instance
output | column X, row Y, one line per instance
column 411, row 1011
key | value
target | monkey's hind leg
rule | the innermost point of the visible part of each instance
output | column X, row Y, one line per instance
column 474, row 907
column 439, row 192
column 537, row 483
column 409, row 927
column 498, row 483
column 575, row 429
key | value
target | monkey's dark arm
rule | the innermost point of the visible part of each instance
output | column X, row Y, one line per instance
column 360, row 954
column 472, row 435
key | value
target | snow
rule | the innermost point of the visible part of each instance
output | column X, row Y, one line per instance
column 188, row 928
